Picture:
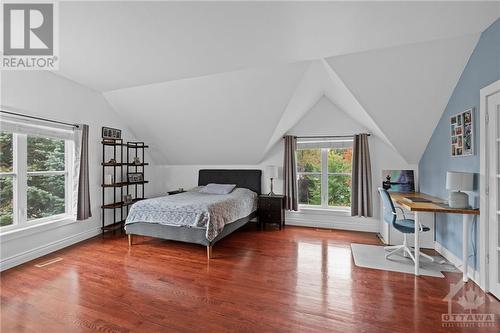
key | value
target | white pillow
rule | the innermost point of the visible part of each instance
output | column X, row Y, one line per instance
column 218, row 188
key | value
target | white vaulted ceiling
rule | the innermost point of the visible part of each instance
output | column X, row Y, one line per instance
column 406, row 88
column 112, row 45
column 216, row 119
column 220, row 83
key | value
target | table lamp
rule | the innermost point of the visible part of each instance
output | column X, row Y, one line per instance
column 457, row 182
column 272, row 173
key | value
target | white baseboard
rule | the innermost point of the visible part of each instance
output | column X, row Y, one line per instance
column 333, row 222
column 31, row 254
column 472, row 273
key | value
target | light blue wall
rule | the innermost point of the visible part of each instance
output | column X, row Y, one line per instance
column 482, row 69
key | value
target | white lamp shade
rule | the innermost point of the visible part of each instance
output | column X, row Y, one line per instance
column 459, row 181
column 272, row 171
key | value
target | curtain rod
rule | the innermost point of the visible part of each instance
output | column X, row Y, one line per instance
column 39, row 118
column 326, row 136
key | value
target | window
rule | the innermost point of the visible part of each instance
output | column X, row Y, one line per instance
column 324, row 173
column 46, row 177
column 6, row 177
column 35, row 182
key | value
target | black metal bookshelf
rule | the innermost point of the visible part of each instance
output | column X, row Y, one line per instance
column 124, row 162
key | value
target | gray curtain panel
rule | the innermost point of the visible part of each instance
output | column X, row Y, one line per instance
column 83, row 205
column 361, row 196
column 290, row 173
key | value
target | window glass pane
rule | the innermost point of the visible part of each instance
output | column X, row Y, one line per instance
column 5, row 152
column 45, row 196
column 340, row 160
column 339, row 191
column 45, row 154
column 6, row 202
column 309, row 160
column 309, row 189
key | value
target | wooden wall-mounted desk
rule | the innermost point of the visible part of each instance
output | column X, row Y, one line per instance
column 436, row 205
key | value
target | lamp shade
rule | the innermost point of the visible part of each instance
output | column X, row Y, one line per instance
column 272, row 171
column 459, row 181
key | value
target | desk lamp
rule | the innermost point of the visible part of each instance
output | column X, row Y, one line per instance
column 456, row 182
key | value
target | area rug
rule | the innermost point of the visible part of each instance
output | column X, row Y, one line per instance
column 373, row 256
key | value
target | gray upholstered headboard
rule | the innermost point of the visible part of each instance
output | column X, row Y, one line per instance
column 250, row 179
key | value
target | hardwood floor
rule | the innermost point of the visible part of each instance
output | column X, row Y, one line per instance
column 295, row 280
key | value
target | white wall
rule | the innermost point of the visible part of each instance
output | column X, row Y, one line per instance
column 47, row 95
column 324, row 118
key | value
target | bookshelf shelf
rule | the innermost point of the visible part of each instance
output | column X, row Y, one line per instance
column 124, row 184
column 120, row 158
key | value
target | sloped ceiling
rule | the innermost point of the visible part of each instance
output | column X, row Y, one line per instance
column 216, row 119
column 319, row 81
column 406, row 88
column 221, row 82
column 307, row 93
column 322, row 117
column 119, row 44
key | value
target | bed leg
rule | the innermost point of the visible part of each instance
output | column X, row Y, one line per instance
column 129, row 240
column 209, row 252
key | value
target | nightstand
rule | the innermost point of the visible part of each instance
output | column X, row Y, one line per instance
column 175, row 192
column 271, row 209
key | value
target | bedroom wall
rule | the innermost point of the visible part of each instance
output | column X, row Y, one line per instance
column 45, row 94
column 482, row 69
column 324, row 118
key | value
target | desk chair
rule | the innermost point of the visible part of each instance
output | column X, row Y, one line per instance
column 406, row 226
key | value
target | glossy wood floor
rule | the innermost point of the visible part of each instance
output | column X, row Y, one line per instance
column 296, row 280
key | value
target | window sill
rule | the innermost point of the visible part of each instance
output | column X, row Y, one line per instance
column 326, row 211
column 35, row 228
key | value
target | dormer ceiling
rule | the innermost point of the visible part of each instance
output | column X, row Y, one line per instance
column 405, row 89
column 219, row 83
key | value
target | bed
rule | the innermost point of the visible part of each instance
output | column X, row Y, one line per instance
column 198, row 218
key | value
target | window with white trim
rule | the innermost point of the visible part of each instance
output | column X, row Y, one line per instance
column 35, row 174
column 324, row 173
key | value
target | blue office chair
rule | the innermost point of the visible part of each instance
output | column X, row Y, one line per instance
column 406, row 226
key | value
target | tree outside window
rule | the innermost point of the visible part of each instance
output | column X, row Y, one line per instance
column 339, row 177
column 324, row 176
column 46, row 177
column 6, row 179
column 33, row 170
column 309, row 176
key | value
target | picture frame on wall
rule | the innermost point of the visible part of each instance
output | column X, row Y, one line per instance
column 462, row 133
column 109, row 133
column 135, row 177
column 398, row 180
